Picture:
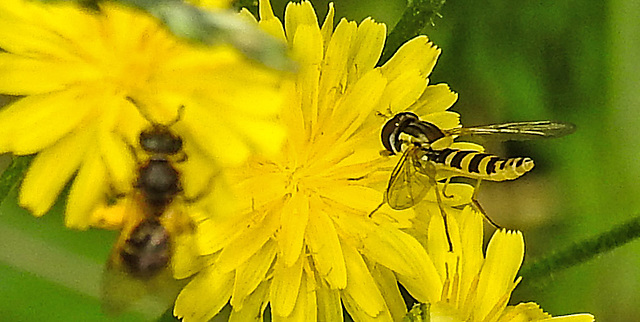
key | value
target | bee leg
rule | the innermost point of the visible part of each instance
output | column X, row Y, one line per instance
column 182, row 157
column 476, row 204
column 202, row 193
column 431, row 171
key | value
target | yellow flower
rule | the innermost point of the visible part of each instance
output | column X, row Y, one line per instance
column 303, row 242
column 78, row 73
column 212, row 4
column 477, row 287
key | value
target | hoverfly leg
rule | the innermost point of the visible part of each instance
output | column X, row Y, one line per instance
column 444, row 189
column 444, row 218
column 377, row 208
column 431, row 171
column 476, row 204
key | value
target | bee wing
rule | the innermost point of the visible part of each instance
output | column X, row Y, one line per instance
column 517, row 131
column 409, row 183
column 121, row 292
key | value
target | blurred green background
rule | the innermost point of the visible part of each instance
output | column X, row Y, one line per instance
column 576, row 61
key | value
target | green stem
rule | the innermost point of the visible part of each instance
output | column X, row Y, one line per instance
column 13, row 175
column 416, row 17
column 581, row 252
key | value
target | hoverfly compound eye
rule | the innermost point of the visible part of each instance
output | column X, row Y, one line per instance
column 392, row 129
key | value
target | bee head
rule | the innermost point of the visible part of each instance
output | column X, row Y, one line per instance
column 160, row 140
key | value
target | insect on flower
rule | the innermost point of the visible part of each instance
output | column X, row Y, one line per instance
column 426, row 155
column 139, row 268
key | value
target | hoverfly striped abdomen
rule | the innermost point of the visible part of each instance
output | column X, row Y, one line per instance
column 477, row 165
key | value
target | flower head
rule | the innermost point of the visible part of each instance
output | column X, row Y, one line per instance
column 477, row 287
column 304, row 242
column 91, row 82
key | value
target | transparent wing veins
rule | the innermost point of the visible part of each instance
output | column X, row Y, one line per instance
column 408, row 184
column 517, row 130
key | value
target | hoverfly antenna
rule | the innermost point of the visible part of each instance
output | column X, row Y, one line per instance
column 386, row 114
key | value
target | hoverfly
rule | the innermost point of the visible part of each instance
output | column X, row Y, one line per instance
column 425, row 155
column 139, row 272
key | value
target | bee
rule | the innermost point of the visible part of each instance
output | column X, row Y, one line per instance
column 425, row 156
column 140, row 266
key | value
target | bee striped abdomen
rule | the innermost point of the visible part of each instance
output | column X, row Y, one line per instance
column 479, row 165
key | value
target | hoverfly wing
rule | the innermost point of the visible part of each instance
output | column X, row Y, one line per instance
column 408, row 184
column 517, row 131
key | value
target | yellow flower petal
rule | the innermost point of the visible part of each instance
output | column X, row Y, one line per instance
column 22, row 75
column 327, row 25
column 305, row 308
column 370, row 35
column 269, row 22
column 118, row 160
column 247, row 244
column 252, row 307
column 87, row 190
column 213, row 235
column 359, row 197
column 329, row 306
column 185, row 261
column 50, row 171
column 251, row 274
column 116, row 73
column 36, row 122
column 361, row 296
column 403, row 91
column 388, row 286
column 297, row 15
column 359, row 103
column 505, row 253
column 285, row 288
column 436, row 98
column 204, row 296
column 335, row 61
column 292, row 231
column 324, row 244
column 572, row 318
column 416, row 54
